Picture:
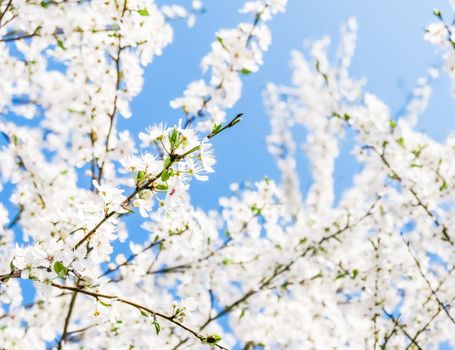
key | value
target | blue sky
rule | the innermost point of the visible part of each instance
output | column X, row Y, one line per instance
column 391, row 54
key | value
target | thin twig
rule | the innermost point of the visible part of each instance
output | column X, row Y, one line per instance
column 140, row 307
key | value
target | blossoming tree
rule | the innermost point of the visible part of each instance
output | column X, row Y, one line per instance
column 272, row 268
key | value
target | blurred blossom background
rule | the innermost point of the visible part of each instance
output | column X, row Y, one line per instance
column 391, row 55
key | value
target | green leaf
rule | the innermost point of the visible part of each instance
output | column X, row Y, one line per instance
column 144, row 313
column 44, row 4
column 400, row 141
column 174, row 137
column 165, row 175
column 393, row 124
column 237, row 119
column 140, row 176
column 162, row 187
column 355, row 273
column 443, row 186
column 256, row 211
column 213, row 339
column 242, row 313
column 216, row 128
column 245, row 71
column 60, row 269
column 319, row 275
column 167, row 162
column 60, row 44
column 143, row 12
column 418, row 150
column 340, row 275
column 157, row 327
column 72, row 110
column 219, row 39
column 104, row 303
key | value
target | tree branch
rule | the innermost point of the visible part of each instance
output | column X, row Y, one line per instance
column 171, row 319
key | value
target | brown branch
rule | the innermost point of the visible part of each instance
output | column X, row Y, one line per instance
column 280, row 269
column 440, row 285
column 67, row 320
column 125, row 203
column 402, row 328
column 189, row 264
column 427, row 281
column 81, row 330
column 117, row 87
column 444, row 229
column 13, row 274
column 131, row 258
column 421, row 330
column 15, row 219
column 5, row 11
column 172, row 319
